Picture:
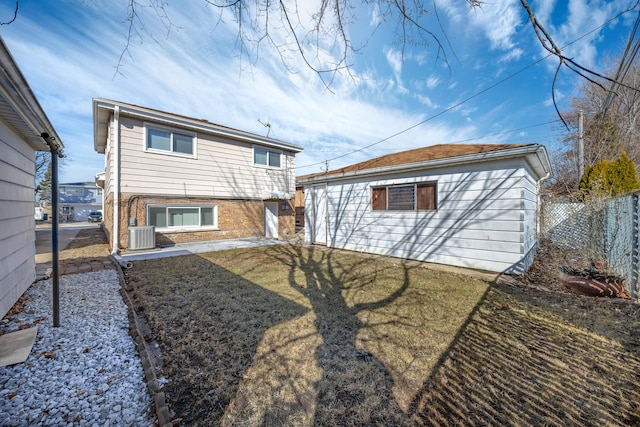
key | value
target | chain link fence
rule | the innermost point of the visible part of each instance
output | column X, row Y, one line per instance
column 598, row 229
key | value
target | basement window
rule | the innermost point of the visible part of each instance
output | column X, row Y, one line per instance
column 405, row 197
column 182, row 217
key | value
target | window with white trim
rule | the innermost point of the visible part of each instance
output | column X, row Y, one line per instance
column 421, row 196
column 182, row 216
column 165, row 140
column 266, row 157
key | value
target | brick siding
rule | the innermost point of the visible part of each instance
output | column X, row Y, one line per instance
column 236, row 218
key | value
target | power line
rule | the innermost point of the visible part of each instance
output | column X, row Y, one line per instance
column 475, row 95
column 446, row 110
column 475, row 138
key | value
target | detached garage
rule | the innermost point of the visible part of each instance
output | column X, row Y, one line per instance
column 466, row 205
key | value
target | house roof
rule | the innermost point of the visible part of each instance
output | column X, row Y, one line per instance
column 104, row 108
column 19, row 107
column 437, row 155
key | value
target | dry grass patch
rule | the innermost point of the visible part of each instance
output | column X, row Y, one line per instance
column 533, row 358
column 290, row 336
column 88, row 244
column 286, row 335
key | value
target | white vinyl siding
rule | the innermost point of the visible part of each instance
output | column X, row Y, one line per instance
column 485, row 217
column 17, row 226
column 223, row 169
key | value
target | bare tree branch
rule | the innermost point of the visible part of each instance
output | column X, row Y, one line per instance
column 15, row 14
column 550, row 46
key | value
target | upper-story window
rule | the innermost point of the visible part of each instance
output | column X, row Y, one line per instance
column 166, row 140
column 266, row 157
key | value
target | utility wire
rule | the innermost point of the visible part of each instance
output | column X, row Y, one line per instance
column 475, row 138
column 446, row 110
column 456, row 105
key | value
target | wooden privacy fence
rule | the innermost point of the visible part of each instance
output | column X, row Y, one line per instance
column 603, row 230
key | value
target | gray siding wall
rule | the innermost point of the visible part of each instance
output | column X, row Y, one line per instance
column 17, row 223
column 223, row 168
column 485, row 219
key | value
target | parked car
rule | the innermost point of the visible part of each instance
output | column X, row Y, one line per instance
column 94, row 217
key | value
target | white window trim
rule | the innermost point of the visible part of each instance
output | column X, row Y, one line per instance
column 182, row 229
column 193, row 135
column 267, row 149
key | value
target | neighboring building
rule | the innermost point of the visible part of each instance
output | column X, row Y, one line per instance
column 22, row 121
column 77, row 200
column 190, row 179
column 466, row 205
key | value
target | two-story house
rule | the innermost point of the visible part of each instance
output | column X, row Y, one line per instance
column 190, row 179
column 78, row 199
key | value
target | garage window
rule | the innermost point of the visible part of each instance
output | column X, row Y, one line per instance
column 405, row 197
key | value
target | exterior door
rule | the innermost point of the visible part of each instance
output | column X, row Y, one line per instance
column 271, row 219
column 319, row 226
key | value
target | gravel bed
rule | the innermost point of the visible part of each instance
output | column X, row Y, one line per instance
column 86, row 372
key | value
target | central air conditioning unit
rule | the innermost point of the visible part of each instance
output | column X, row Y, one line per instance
column 142, row 237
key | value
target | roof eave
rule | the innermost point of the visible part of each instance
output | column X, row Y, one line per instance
column 104, row 107
column 535, row 154
column 30, row 120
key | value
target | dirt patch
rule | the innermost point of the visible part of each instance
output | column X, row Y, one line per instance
column 288, row 335
column 88, row 251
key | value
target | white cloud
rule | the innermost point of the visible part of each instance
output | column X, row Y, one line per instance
column 198, row 71
column 395, row 61
column 497, row 21
column 571, row 26
column 433, row 81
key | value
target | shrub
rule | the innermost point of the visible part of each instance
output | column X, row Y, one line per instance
column 610, row 178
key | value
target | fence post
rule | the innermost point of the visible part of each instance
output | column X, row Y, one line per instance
column 635, row 243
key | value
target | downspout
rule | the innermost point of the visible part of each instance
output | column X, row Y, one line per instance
column 116, row 181
column 54, row 147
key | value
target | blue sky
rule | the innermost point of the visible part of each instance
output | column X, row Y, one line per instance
column 68, row 51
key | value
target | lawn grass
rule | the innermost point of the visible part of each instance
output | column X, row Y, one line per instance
column 289, row 335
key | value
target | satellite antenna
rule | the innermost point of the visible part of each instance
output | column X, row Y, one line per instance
column 266, row 124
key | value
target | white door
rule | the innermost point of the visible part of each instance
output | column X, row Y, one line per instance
column 271, row 219
column 319, row 226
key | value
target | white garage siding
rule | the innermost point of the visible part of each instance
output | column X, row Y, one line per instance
column 486, row 217
column 17, row 237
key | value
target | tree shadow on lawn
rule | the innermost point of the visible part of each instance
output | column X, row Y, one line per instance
column 289, row 335
column 352, row 387
column 519, row 361
column 294, row 336
column 208, row 322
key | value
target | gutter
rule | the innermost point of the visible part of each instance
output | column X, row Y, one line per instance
column 17, row 93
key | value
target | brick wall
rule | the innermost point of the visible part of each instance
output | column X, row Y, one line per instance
column 107, row 218
column 236, row 219
column 286, row 219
